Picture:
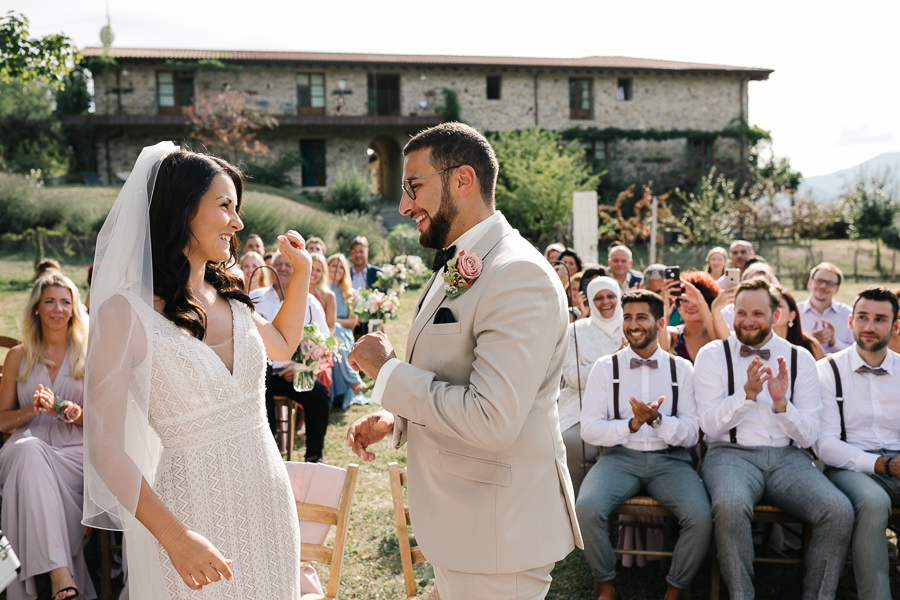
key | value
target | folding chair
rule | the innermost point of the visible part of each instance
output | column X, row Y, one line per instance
column 409, row 554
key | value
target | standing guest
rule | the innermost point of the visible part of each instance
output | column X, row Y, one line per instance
column 316, row 244
column 823, row 316
column 860, row 437
column 645, row 443
column 619, row 259
column 280, row 376
column 488, row 488
column 41, row 399
column 739, row 253
column 572, row 261
column 177, row 452
column 695, row 306
column 759, row 405
column 716, row 261
column 552, row 252
column 362, row 274
column 589, row 340
column 254, row 243
column 255, row 274
column 346, row 386
column 790, row 327
column 654, row 279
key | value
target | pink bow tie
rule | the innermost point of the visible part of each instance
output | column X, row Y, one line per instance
column 748, row 351
column 867, row 370
column 639, row 362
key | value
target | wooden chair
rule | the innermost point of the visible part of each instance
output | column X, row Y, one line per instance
column 644, row 506
column 286, row 426
column 317, row 519
column 409, row 554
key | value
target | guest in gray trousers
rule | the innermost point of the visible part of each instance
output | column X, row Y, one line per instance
column 639, row 406
column 759, row 405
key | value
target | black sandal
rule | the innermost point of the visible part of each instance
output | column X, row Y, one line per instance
column 57, row 596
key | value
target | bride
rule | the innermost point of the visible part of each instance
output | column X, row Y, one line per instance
column 184, row 461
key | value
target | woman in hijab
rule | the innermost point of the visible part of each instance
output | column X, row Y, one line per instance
column 589, row 339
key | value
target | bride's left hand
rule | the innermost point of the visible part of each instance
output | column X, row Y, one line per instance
column 293, row 247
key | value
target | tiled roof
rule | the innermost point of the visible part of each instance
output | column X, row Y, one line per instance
column 600, row 63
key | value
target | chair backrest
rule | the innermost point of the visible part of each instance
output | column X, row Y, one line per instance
column 409, row 554
column 324, row 495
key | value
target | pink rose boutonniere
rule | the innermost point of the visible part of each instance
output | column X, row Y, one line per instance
column 461, row 273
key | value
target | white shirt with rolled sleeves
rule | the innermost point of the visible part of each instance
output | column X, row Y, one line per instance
column 871, row 411
column 267, row 303
column 757, row 422
column 598, row 423
column 838, row 314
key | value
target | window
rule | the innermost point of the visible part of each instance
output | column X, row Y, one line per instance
column 581, row 104
column 493, row 87
column 701, row 153
column 313, row 154
column 174, row 91
column 310, row 94
column 384, row 94
column 623, row 89
column 596, row 152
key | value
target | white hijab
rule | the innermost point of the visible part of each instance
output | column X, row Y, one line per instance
column 612, row 327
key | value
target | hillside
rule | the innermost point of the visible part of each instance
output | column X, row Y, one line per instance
column 828, row 188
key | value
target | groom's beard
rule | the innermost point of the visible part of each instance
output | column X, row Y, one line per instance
column 439, row 224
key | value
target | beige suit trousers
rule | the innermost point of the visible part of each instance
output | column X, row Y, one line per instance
column 525, row 585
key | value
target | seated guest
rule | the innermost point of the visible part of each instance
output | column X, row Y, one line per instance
column 860, row 436
column 320, row 287
column 346, row 386
column 280, row 376
column 316, row 244
column 589, row 339
column 895, row 338
column 41, row 399
column 572, row 261
column 723, row 306
column 255, row 274
column 619, row 260
column 759, row 406
column 824, row 317
column 790, row 327
column 645, row 441
column 552, row 252
column 254, row 243
column 716, row 261
column 695, row 303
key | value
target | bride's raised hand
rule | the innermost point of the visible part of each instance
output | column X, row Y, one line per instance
column 195, row 559
column 293, row 247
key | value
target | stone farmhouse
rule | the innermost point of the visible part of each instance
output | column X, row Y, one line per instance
column 639, row 118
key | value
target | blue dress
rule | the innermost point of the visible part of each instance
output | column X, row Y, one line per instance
column 343, row 377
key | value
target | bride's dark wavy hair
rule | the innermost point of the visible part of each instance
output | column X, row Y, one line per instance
column 183, row 178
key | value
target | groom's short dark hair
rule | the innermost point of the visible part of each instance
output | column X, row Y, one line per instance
column 456, row 144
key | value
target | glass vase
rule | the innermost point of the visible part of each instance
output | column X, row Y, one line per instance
column 376, row 325
column 304, row 380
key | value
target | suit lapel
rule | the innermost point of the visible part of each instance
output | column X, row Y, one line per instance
column 426, row 312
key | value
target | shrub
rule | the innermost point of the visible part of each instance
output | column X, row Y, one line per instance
column 404, row 239
column 274, row 172
column 350, row 193
column 20, row 202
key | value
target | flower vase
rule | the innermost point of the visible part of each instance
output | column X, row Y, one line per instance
column 303, row 378
column 376, row 325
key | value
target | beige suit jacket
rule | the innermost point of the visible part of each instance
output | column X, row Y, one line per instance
column 489, row 491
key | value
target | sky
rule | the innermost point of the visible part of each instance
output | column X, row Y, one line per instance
column 831, row 103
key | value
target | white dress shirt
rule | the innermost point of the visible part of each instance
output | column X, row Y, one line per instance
column 871, row 411
column 267, row 303
column 598, row 423
column 838, row 314
column 757, row 422
column 464, row 242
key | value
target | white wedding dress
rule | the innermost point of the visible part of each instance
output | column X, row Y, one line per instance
column 220, row 471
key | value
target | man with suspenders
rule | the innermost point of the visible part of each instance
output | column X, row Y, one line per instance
column 639, row 406
column 860, row 432
column 758, row 402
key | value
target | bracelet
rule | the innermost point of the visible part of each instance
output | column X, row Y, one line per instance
column 629, row 426
column 887, row 466
column 162, row 537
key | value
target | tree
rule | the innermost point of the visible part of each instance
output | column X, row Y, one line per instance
column 228, row 126
column 31, row 133
column 871, row 207
column 636, row 228
column 538, row 175
column 26, row 59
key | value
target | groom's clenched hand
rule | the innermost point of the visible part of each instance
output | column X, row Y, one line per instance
column 370, row 353
column 367, row 430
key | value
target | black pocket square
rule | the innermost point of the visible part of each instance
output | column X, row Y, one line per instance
column 444, row 315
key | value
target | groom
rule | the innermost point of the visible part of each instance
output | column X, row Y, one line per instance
column 489, row 492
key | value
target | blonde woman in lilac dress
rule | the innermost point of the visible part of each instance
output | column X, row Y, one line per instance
column 41, row 464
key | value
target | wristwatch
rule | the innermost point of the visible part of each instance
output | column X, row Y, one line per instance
column 655, row 423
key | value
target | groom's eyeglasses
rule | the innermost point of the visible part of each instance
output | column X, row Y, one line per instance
column 410, row 190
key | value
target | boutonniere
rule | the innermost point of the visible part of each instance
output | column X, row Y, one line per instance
column 461, row 272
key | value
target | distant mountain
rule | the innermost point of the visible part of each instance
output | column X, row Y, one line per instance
column 827, row 188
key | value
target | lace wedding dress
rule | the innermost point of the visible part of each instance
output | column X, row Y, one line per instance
column 220, row 471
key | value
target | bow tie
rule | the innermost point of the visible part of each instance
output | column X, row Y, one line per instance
column 748, row 351
column 640, row 362
column 867, row 370
column 441, row 257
